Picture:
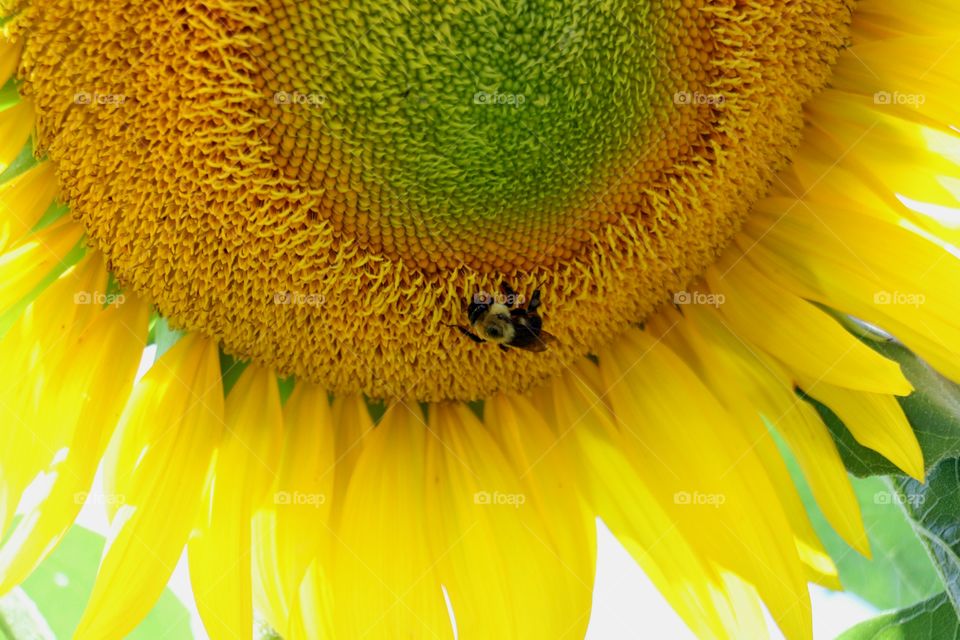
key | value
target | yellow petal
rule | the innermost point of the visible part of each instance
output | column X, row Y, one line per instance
column 618, row 493
column 751, row 384
column 876, row 421
column 24, row 200
column 16, row 123
column 874, row 139
column 388, row 588
column 244, row 469
column 543, row 465
column 164, row 443
column 38, row 342
column 290, row 529
column 351, row 424
column 706, row 474
column 898, row 59
column 804, row 337
column 929, row 202
column 910, row 293
column 745, row 613
column 476, row 502
column 96, row 379
column 311, row 615
column 9, row 58
column 26, row 265
column 883, row 19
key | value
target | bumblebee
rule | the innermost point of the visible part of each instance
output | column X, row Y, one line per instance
column 500, row 319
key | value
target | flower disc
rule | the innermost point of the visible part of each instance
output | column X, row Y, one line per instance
column 322, row 186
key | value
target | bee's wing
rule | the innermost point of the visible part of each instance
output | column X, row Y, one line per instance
column 547, row 338
column 538, row 343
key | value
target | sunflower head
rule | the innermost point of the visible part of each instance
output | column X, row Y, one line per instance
column 341, row 191
column 323, row 188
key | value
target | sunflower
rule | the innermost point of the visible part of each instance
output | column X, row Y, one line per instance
column 310, row 193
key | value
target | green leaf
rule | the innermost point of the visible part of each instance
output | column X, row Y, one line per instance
column 932, row 619
column 230, row 370
column 934, row 509
column 24, row 160
column 163, row 336
column 9, row 94
column 286, row 387
column 62, row 583
column 900, row 572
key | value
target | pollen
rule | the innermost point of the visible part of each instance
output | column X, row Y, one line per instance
column 322, row 186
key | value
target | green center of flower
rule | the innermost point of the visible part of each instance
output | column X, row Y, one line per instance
column 474, row 131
